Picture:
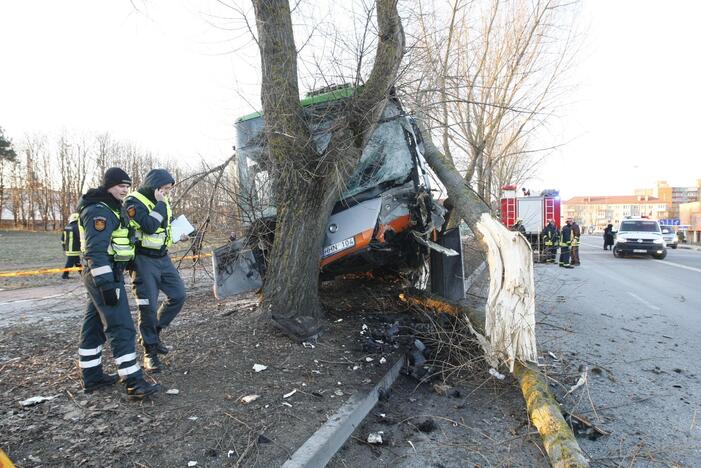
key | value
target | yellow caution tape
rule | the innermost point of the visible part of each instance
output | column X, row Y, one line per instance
column 46, row 271
column 5, row 461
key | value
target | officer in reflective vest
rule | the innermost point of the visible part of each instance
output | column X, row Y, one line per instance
column 551, row 240
column 107, row 246
column 70, row 238
column 565, row 243
column 151, row 215
column 576, row 235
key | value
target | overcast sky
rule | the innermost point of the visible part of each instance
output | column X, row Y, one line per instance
column 169, row 80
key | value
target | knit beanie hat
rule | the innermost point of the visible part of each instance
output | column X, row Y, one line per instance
column 115, row 176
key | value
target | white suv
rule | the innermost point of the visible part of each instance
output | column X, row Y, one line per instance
column 640, row 236
column 670, row 237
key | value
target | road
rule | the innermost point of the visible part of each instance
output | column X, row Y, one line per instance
column 636, row 322
column 634, row 326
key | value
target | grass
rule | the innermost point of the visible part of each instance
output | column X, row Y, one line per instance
column 20, row 250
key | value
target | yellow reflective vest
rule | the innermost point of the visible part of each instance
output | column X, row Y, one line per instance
column 162, row 236
column 121, row 247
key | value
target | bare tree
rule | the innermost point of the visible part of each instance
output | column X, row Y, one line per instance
column 490, row 80
column 307, row 182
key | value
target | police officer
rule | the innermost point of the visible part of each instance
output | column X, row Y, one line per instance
column 70, row 238
column 576, row 235
column 551, row 239
column 107, row 247
column 151, row 215
column 565, row 243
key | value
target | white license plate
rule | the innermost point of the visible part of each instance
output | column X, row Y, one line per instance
column 338, row 247
column 639, row 251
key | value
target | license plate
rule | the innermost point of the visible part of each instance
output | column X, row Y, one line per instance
column 639, row 251
column 338, row 247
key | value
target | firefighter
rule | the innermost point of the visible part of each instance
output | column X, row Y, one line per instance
column 107, row 246
column 551, row 237
column 519, row 227
column 70, row 239
column 565, row 243
column 576, row 235
column 151, row 215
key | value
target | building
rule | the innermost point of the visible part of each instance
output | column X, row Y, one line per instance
column 690, row 220
column 593, row 213
column 673, row 196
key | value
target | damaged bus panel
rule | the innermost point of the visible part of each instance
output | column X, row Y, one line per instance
column 386, row 216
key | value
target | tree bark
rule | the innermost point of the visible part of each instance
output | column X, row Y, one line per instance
column 307, row 184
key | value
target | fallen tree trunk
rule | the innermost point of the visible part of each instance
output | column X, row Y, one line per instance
column 507, row 329
column 509, row 324
column 543, row 409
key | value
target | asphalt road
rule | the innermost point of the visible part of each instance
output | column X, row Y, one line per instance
column 635, row 323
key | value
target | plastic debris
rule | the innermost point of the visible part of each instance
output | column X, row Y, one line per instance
column 582, row 380
column 308, row 345
column 259, row 367
column 193, row 418
column 229, row 453
column 286, row 404
column 249, row 398
column 192, row 463
column 287, row 395
column 383, row 360
column 339, row 320
column 36, row 400
column 552, row 355
column 338, row 392
column 368, row 359
column 496, row 374
column 375, row 438
column 172, row 391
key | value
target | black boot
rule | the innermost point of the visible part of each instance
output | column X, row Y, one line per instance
column 138, row 388
column 151, row 361
column 105, row 380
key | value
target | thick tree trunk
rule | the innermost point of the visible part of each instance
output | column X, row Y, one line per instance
column 307, row 184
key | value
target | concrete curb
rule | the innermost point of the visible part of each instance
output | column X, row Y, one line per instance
column 689, row 247
column 325, row 442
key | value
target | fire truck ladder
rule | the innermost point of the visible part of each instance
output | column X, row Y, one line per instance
column 510, row 217
column 549, row 209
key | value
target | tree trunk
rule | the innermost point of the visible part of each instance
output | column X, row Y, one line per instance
column 510, row 309
column 307, row 184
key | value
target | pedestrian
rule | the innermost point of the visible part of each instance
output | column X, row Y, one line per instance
column 551, row 238
column 608, row 237
column 70, row 238
column 107, row 247
column 519, row 227
column 151, row 216
column 576, row 235
column 565, row 243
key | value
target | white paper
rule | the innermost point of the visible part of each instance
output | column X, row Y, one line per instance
column 180, row 226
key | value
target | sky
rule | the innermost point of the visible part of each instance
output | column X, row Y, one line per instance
column 172, row 77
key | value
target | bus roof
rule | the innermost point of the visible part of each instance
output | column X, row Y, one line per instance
column 334, row 95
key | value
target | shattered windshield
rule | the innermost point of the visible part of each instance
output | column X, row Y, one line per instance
column 385, row 160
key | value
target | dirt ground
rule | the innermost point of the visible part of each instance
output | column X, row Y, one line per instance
column 215, row 345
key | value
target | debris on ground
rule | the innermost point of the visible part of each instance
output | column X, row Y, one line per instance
column 375, row 438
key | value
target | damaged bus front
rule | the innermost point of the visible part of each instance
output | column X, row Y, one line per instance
column 386, row 216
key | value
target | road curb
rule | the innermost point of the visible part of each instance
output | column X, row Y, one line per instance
column 329, row 438
column 689, row 247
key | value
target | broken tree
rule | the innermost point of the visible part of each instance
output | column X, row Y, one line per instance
column 306, row 182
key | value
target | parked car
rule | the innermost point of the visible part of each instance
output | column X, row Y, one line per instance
column 670, row 237
column 639, row 236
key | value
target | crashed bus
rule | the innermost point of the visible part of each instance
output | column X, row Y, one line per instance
column 386, row 216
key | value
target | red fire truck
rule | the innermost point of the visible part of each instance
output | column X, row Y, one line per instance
column 534, row 211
